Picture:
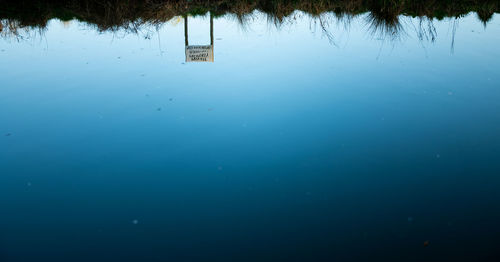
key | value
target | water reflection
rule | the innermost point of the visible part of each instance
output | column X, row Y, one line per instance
column 199, row 53
column 289, row 148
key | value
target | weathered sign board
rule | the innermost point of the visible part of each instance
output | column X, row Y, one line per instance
column 199, row 53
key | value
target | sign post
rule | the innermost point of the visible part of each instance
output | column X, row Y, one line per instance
column 199, row 53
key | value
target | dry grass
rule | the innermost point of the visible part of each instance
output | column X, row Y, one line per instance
column 383, row 15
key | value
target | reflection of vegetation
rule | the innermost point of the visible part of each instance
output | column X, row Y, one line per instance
column 131, row 14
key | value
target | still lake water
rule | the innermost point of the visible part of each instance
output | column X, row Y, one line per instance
column 290, row 146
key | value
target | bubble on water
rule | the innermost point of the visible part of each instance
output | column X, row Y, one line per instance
column 28, row 184
column 135, row 221
column 438, row 156
column 410, row 219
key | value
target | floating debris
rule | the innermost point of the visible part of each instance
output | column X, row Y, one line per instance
column 170, row 99
column 426, row 243
column 143, row 75
column 8, row 134
column 119, row 57
column 210, row 109
column 158, row 109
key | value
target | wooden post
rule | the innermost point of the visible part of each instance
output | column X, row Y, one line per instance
column 211, row 29
column 186, row 41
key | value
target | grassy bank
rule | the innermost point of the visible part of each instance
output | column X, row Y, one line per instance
column 117, row 14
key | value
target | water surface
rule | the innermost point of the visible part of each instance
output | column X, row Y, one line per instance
column 295, row 144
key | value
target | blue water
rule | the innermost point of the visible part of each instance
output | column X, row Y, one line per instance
column 290, row 146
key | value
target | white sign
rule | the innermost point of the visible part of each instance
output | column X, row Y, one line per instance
column 199, row 53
